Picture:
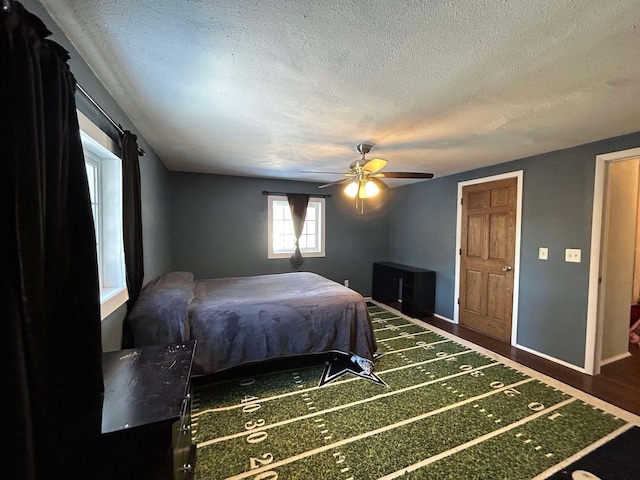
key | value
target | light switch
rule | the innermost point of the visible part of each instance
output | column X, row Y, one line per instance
column 572, row 255
column 543, row 253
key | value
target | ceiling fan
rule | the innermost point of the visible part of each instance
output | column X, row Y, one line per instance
column 363, row 179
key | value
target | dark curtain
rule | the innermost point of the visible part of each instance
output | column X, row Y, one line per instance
column 131, row 227
column 298, row 204
column 50, row 338
column 132, row 217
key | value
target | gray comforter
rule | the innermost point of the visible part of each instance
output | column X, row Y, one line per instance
column 237, row 321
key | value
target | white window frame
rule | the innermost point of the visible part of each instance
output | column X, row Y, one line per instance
column 99, row 150
column 92, row 159
column 315, row 202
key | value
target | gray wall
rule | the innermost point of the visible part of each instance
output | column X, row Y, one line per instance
column 155, row 179
column 219, row 229
column 556, row 213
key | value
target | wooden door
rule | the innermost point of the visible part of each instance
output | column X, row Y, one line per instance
column 487, row 257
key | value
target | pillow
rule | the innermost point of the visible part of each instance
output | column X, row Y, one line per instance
column 160, row 315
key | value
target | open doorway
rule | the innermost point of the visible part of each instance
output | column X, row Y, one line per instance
column 607, row 341
column 618, row 259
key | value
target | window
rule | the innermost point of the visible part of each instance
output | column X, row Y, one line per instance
column 281, row 236
column 104, row 174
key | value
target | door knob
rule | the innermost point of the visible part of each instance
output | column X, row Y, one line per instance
column 506, row 268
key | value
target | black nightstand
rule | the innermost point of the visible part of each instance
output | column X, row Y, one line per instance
column 146, row 415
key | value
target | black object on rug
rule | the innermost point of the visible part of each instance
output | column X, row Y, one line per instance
column 342, row 365
column 616, row 460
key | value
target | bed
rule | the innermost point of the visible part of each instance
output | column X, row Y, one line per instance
column 244, row 320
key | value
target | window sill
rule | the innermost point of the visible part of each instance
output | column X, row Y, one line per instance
column 288, row 255
column 111, row 299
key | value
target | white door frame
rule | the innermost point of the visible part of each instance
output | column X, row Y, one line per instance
column 518, row 174
column 593, row 344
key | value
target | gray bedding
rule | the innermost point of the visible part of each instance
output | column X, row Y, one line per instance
column 237, row 321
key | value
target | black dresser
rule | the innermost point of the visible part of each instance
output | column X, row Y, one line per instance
column 409, row 289
column 146, row 415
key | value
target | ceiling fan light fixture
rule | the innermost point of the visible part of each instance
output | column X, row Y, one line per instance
column 351, row 190
column 363, row 178
column 371, row 189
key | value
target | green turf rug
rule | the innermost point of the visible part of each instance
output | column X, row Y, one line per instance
column 446, row 410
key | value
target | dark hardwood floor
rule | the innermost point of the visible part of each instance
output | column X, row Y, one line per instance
column 618, row 382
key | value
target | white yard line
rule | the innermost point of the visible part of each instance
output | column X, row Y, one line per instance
column 413, row 348
column 475, row 441
column 395, row 327
column 409, row 335
column 327, row 385
column 347, row 405
column 386, row 428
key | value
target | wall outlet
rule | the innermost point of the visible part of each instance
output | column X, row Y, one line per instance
column 346, row 283
column 572, row 255
column 543, row 253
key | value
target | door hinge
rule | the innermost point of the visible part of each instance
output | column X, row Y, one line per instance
column 460, row 252
column 461, row 200
column 458, row 300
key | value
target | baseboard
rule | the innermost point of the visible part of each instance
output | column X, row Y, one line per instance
column 615, row 358
column 551, row 359
column 443, row 318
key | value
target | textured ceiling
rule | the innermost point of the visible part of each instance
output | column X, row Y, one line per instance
column 268, row 88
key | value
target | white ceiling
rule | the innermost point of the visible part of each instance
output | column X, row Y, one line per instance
column 268, row 88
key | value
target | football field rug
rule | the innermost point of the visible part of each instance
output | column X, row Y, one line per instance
column 445, row 409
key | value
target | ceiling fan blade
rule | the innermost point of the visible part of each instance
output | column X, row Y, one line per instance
column 378, row 182
column 405, row 175
column 374, row 165
column 330, row 173
column 334, row 183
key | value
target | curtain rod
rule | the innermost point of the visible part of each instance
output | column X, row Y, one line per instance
column 141, row 152
column 264, row 192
